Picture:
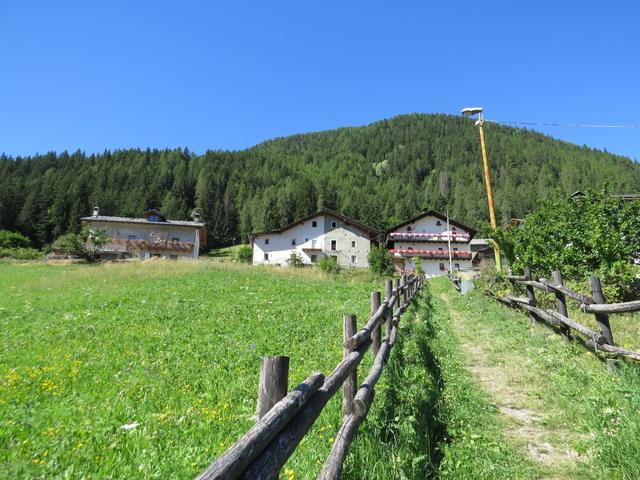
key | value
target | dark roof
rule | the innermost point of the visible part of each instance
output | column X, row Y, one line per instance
column 433, row 213
column 325, row 211
column 174, row 223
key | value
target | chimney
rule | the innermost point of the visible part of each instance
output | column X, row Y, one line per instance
column 96, row 211
column 195, row 216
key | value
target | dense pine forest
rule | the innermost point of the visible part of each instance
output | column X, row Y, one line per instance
column 380, row 174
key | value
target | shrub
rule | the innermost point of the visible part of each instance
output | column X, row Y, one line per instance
column 596, row 235
column 295, row 260
column 244, row 254
column 417, row 261
column 10, row 239
column 20, row 253
column 85, row 244
column 380, row 261
column 329, row 265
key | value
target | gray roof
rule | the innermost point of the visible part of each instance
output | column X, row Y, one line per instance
column 174, row 223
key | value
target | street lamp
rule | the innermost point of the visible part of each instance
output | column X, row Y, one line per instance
column 470, row 112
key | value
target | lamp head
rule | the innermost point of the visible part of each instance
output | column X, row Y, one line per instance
column 471, row 111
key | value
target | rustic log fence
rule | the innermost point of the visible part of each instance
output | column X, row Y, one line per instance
column 595, row 304
column 284, row 419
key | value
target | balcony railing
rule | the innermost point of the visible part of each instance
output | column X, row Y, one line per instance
column 435, row 254
column 123, row 246
column 430, row 237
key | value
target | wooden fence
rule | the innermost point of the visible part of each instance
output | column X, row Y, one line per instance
column 594, row 303
column 284, row 419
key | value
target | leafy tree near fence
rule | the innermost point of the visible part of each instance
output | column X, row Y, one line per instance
column 595, row 235
column 380, row 261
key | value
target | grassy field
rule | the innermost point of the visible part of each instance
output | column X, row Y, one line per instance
column 148, row 370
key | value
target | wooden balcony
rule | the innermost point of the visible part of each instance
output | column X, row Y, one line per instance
column 429, row 237
column 433, row 254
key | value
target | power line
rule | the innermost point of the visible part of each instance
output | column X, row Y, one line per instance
column 577, row 125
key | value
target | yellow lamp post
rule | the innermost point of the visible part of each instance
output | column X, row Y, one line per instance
column 470, row 112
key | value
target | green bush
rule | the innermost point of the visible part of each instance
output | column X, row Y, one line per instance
column 244, row 254
column 85, row 244
column 595, row 235
column 417, row 261
column 380, row 261
column 295, row 260
column 329, row 265
column 20, row 253
column 10, row 239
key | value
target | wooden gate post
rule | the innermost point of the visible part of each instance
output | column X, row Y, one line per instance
column 350, row 384
column 601, row 318
column 274, row 383
column 561, row 304
column 388, row 295
column 531, row 296
column 375, row 334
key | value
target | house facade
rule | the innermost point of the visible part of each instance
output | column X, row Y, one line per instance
column 152, row 236
column 326, row 233
column 427, row 237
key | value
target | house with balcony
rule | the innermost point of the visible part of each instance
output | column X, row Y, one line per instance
column 325, row 233
column 426, row 236
column 152, row 236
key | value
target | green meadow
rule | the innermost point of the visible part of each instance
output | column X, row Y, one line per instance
column 149, row 370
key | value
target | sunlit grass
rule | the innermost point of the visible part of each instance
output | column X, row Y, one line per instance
column 150, row 369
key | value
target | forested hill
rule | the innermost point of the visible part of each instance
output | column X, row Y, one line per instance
column 379, row 174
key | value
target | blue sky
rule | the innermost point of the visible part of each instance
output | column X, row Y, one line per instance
column 228, row 75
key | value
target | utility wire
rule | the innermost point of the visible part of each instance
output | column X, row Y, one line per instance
column 578, row 125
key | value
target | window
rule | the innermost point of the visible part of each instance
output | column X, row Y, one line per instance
column 314, row 224
column 335, row 257
column 410, row 248
column 334, row 224
column 314, row 258
column 293, row 241
column 457, row 266
column 266, row 256
column 438, row 222
column 353, row 244
column 353, row 259
column 453, row 229
column 455, row 249
column 175, row 239
column 132, row 237
column 334, row 244
column 409, row 228
column 442, row 267
column 440, row 249
column 266, row 241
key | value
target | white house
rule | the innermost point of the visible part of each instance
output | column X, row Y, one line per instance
column 148, row 237
column 426, row 236
column 324, row 233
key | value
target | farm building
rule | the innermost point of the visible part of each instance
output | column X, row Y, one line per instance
column 426, row 236
column 326, row 233
column 148, row 237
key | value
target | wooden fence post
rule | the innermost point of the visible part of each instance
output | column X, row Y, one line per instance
column 388, row 295
column 350, row 384
column 561, row 304
column 274, row 383
column 375, row 334
column 531, row 295
column 601, row 318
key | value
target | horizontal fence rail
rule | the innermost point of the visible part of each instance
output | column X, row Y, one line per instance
column 284, row 419
column 593, row 304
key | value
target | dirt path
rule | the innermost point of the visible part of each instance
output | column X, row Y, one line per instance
column 511, row 379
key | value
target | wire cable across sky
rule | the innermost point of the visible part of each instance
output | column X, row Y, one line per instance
column 577, row 125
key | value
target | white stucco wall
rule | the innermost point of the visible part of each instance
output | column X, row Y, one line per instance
column 319, row 238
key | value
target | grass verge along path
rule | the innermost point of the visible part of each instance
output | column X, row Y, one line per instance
column 560, row 406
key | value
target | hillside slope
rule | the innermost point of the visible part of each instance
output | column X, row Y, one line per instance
column 379, row 174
